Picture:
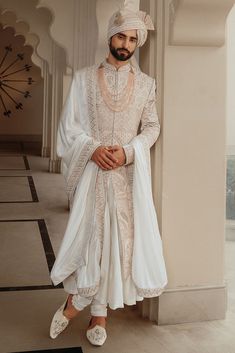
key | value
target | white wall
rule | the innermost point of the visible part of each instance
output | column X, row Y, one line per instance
column 194, row 166
column 231, row 82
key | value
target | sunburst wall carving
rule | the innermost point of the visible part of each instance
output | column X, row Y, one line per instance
column 13, row 73
column 20, row 80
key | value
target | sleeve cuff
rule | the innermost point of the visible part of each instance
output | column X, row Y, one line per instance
column 129, row 152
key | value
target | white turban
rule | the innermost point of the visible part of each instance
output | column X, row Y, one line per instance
column 125, row 19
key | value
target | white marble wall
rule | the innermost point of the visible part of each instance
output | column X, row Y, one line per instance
column 230, row 35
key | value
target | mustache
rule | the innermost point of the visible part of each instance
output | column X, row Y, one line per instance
column 125, row 50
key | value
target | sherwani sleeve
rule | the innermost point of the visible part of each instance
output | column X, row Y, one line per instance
column 150, row 126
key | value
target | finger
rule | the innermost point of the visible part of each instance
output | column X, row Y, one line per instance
column 104, row 164
column 108, row 161
column 99, row 165
column 102, row 167
column 110, row 156
column 116, row 156
column 119, row 158
column 109, row 148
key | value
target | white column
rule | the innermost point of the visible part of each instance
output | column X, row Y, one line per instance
column 151, row 62
column 85, row 33
column 230, row 223
column 58, row 63
column 46, row 111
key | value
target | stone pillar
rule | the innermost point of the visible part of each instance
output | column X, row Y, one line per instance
column 192, row 169
column 151, row 62
column 85, row 34
column 230, row 207
column 46, row 111
column 57, row 102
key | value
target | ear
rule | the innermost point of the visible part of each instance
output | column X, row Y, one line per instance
column 110, row 40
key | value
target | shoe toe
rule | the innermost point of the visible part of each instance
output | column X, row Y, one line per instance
column 97, row 335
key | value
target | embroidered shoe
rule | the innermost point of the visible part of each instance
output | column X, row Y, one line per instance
column 96, row 335
column 59, row 321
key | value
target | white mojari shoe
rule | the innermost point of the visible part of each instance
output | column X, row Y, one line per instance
column 59, row 321
column 96, row 335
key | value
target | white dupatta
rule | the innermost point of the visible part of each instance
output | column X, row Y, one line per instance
column 75, row 139
column 148, row 265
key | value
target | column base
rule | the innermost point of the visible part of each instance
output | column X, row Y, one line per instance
column 190, row 305
column 54, row 165
column 177, row 306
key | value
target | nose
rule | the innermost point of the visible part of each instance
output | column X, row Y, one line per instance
column 125, row 43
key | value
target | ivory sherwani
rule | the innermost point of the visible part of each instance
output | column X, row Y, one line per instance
column 112, row 244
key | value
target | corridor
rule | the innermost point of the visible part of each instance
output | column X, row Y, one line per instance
column 33, row 211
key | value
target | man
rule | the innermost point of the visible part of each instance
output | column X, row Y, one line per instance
column 111, row 253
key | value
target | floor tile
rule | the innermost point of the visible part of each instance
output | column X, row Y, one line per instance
column 17, row 189
column 13, row 162
column 26, row 255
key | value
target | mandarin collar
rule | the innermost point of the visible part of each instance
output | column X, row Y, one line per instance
column 124, row 68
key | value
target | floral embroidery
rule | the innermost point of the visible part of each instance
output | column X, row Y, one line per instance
column 78, row 168
column 88, row 291
column 120, row 128
column 150, row 292
column 97, row 335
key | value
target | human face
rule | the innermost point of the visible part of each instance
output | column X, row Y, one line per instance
column 122, row 45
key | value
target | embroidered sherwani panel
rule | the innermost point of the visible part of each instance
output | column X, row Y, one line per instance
column 119, row 128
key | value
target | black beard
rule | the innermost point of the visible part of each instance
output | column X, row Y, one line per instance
column 120, row 56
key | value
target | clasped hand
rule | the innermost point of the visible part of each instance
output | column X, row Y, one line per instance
column 109, row 157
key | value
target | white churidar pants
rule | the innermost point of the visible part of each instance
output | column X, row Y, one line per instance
column 97, row 309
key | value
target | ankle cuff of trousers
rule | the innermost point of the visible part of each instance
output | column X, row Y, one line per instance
column 80, row 303
column 99, row 310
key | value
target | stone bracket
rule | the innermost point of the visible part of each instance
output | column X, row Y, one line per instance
column 198, row 22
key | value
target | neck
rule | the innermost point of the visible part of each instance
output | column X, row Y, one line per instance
column 115, row 62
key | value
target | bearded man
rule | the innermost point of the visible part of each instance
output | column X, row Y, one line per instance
column 111, row 253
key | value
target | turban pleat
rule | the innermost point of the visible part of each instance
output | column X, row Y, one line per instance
column 125, row 19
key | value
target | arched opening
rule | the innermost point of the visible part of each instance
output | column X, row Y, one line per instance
column 21, row 95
